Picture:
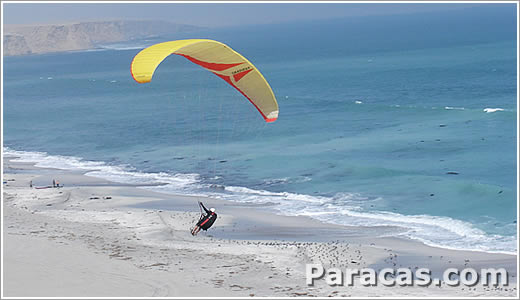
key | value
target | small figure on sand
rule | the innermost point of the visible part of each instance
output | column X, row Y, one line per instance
column 30, row 184
column 206, row 220
column 55, row 183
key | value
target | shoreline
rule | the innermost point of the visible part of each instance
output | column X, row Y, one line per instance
column 422, row 228
column 251, row 250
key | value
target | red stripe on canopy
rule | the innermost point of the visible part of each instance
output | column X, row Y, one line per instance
column 208, row 65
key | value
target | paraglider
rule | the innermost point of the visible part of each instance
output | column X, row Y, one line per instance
column 205, row 220
column 222, row 61
column 217, row 58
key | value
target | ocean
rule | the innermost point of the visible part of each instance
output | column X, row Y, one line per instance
column 405, row 120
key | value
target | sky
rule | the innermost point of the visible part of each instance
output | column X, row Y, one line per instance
column 207, row 14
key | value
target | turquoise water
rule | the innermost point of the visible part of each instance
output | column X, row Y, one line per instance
column 375, row 113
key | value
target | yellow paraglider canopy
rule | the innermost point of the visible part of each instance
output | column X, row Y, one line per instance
column 217, row 58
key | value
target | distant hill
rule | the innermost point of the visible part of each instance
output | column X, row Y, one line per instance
column 37, row 39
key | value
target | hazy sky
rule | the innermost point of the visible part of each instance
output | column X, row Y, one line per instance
column 203, row 14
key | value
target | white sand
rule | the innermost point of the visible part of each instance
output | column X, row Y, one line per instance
column 72, row 242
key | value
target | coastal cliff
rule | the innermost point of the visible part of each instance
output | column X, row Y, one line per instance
column 37, row 39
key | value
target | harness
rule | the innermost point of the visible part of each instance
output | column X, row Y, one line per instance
column 205, row 221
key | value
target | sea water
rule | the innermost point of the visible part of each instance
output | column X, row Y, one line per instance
column 407, row 120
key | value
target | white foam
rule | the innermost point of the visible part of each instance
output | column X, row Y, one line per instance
column 99, row 169
column 358, row 102
column 435, row 231
column 492, row 110
column 276, row 181
column 345, row 209
column 248, row 191
column 118, row 174
column 43, row 160
column 453, row 108
column 286, row 180
column 432, row 230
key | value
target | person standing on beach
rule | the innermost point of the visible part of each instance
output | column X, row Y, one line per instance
column 206, row 221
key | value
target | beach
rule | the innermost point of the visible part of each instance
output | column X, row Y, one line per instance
column 93, row 237
column 349, row 155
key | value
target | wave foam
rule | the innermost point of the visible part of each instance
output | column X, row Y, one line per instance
column 100, row 169
column 454, row 108
column 286, row 180
column 345, row 209
column 492, row 110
